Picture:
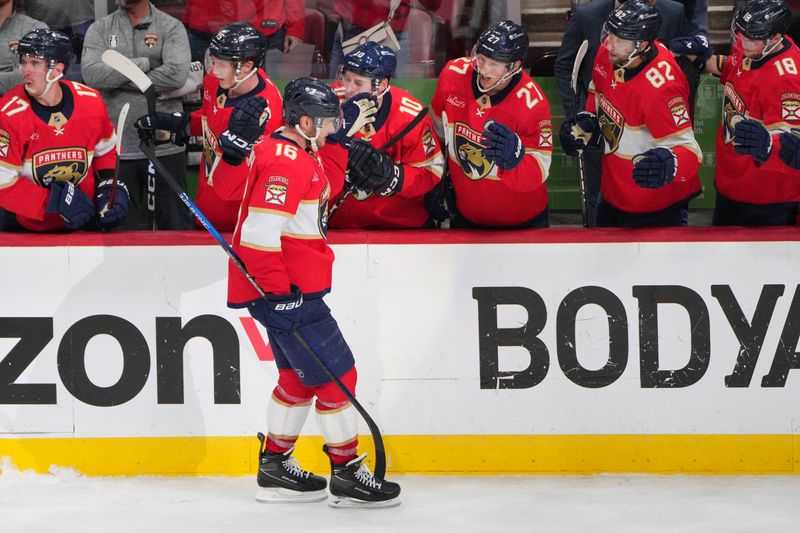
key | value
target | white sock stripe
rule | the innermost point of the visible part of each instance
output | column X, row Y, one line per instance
column 338, row 426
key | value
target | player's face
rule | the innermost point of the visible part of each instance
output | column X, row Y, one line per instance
column 355, row 83
column 34, row 73
column 223, row 70
column 619, row 50
column 753, row 49
column 491, row 72
column 329, row 125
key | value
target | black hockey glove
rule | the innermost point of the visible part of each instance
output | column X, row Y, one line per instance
column 697, row 45
column 111, row 215
column 177, row 124
column 357, row 112
column 790, row 148
column 71, row 203
column 655, row 168
column 580, row 131
column 750, row 137
column 503, row 146
column 245, row 126
column 285, row 310
column 364, row 166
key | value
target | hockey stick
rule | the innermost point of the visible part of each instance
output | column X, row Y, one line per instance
column 380, row 453
column 123, row 114
column 407, row 129
column 576, row 67
column 128, row 68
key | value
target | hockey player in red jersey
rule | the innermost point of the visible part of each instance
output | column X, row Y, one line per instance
column 406, row 172
column 638, row 107
column 758, row 142
column 57, row 145
column 239, row 103
column 280, row 237
column 495, row 122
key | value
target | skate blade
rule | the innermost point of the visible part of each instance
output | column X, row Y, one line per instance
column 341, row 502
column 281, row 495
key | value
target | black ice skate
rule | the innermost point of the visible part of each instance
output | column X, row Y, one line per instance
column 353, row 485
column 281, row 479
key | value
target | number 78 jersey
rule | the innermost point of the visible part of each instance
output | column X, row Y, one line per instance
column 640, row 109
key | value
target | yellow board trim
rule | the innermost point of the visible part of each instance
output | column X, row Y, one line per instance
column 424, row 454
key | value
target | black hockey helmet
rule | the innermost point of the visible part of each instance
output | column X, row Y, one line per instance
column 635, row 20
column 504, row 41
column 372, row 60
column 758, row 20
column 239, row 42
column 309, row 97
column 53, row 46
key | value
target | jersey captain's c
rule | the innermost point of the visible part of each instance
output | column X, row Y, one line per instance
column 39, row 145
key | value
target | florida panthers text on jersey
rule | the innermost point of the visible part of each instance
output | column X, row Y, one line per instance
column 418, row 152
column 485, row 193
column 639, row 109
column 280, row 234
column 767, row 91
column 39, row 145
column 220, row 186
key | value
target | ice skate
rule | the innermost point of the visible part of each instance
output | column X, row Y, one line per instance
column 281, row 479
column 353, row 485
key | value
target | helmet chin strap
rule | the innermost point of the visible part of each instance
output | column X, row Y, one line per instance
column 633, row 55
column 49, row 81
column 236, row 80
column 311, row 140
column 769, row 48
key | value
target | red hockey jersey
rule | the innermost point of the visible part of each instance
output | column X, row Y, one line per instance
column 39, row 145
column 485, row 193
column 418, row 152
column 767, row 91
column 639, row 109
column 280, row 235
column 220, row 186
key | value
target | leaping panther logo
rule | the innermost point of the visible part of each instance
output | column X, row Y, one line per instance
column 60, row 164
column 469, row 152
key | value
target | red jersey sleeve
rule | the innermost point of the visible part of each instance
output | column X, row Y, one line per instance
column 17, row 193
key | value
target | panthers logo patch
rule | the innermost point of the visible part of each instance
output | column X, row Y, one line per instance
column 732, row 106
column 469, row 152
column 612, row 124
column 60, row 164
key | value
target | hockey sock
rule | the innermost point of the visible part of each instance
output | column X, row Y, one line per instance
column 338, row 419
column 287, row 411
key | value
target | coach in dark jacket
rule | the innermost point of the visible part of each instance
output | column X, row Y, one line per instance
column 586, row 24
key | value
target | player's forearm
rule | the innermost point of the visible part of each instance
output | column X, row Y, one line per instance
column 529, row 175
column 715, row 64
column 418, row 181
column 25, row 198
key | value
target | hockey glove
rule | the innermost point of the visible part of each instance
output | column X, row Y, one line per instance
column 364, row 167
column 696, row 45
column 116, row 212
column 176, row 124
column 578, row 132
column 392, row 175
column 357, row 111
column 71, row 203
column 503, row 146
column 285, row 310
column 244, row 128
column 790, row 148
column 750, row 137
column 655, row 168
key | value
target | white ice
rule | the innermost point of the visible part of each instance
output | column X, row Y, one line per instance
column 68, row 502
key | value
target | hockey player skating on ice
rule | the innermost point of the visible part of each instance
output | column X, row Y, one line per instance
column 495, row 122
column 638, row 110
column 239, row 103
column 280, row 237
column 57, row 145
column 758, row 143
column 405, row 172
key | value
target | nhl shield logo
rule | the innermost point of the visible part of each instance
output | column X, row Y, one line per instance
column 469, row 152
column 612, row 124
column 60, row 164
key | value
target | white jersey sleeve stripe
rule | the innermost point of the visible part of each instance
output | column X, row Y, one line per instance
column 305, row 224
column 262, row 229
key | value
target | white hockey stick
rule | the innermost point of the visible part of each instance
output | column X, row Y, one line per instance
column 128, row 68
column 123, row 114
column 576, row 67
